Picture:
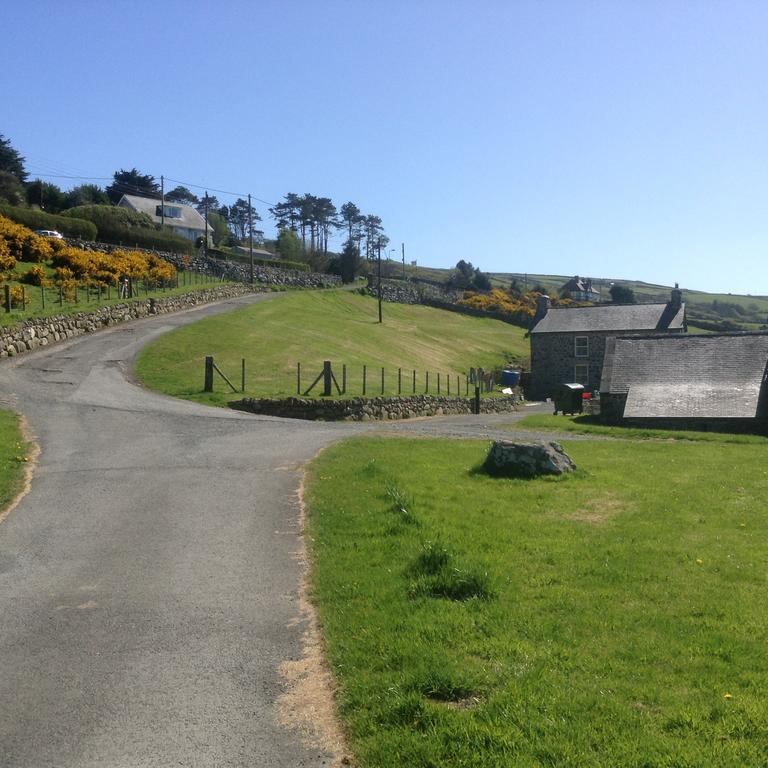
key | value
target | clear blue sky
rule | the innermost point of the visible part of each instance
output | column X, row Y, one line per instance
column 618, row 139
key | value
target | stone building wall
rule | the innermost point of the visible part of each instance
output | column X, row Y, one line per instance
column 553, row 361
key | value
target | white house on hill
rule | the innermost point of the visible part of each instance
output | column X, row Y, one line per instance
column 183, row 219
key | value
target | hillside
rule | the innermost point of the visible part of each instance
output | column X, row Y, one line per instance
column 340, row 326
column 716, row 311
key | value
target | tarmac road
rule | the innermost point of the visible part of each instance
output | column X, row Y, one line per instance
column 148, row 581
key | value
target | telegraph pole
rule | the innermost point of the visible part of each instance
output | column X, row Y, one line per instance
column 379, row 279
column 402, row 245
column 250, row 236
column 205, row 239
column 162, row 201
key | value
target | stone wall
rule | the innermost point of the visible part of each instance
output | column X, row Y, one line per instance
column 231, row 270
column 40, row 332
column 371, row 409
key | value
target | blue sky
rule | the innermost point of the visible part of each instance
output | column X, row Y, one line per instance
column 613, row 139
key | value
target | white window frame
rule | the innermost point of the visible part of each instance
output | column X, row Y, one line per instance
column 583, row 349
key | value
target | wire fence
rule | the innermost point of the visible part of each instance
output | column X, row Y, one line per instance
column 325, row 379
column 32, row 300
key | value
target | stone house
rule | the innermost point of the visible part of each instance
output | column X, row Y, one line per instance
column 712, row 381
column 183, row 219
column 568, row 343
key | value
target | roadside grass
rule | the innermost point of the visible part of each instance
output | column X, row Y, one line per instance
column 614, row 617
column 13, row 454
column 88, row 301
column 590, row 425
column 312, row 326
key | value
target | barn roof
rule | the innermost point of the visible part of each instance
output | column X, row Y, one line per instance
column 687, row 376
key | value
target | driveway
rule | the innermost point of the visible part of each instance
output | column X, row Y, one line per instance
column 149, row 582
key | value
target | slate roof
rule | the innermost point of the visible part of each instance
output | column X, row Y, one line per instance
column 190, row 218
column 621, row 318
column 682, row 376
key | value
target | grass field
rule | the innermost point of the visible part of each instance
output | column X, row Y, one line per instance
column 615, row 617
column 13, row 454
column 309, row 327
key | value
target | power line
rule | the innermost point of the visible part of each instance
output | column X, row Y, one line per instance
column 220, row 191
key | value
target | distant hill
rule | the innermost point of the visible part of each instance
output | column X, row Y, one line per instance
column 709, row 311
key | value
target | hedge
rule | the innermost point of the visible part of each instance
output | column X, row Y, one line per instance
column 33, row 218
column 299, row 266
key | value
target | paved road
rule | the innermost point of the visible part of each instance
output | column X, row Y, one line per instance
column 148, row 582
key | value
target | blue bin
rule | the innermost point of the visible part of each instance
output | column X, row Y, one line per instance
column 510, row 378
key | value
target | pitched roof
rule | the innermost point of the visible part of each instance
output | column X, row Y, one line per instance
column 683, row 376
column 189, row 218
column 612, row 317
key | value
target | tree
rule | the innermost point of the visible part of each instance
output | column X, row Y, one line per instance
column 219, row 227
column 212, row 203
column 238, row 219
column 348, row 263
column 287, row 213
column 11, row 189
column 620, row 294
column 466, row 276
column 11, row 161
column 289, row 246
column 86, row 194
column 49, row 197
column 182, row 195
column 372, row 229
column 352, row 218
column 132, row 183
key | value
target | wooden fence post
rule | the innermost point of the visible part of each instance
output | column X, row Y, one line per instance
column 382, row 381
column 42, row 294
column 208, row 385
column 477, row 400
column 438, row 383
column 344, row 379
column 242, row 387
column 327, row 380
column 426, row 386
column 7, row 298
column 399, row 381
column 414, row 381
column 365, row 378
column 298, row 378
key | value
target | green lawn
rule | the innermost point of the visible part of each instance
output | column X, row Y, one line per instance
column 311, row 326
column 13, row 455
column 590, row 425
column 615, row 617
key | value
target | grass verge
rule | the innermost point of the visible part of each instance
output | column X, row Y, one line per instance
column 590, row 425
column 615, row 616
column 312, row 326
column 13, row 456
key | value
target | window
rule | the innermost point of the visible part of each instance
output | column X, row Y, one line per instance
column 581, row 346
column 581, row 374
column 171, row 211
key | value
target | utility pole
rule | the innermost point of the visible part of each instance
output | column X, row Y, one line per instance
column 162, row 201
column 379, row 280
column 205, row 239
column 250, row 236
column 402, row 245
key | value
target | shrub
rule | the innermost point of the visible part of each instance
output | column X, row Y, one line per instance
column 35, row 219
column 35, row 276
column 7, row 261
column 36, row 248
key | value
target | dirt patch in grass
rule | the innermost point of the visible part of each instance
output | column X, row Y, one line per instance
column 599, row 511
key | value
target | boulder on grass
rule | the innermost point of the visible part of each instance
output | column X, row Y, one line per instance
column 511, row 459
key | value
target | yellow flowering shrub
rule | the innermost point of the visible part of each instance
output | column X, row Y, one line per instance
column 7, row 261
column 35, row 276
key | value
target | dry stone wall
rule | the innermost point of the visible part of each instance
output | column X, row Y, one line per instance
column 372, row 408
column 40, row 332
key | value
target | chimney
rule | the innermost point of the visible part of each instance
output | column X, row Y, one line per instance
column 677, row 297
column 542, row 307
